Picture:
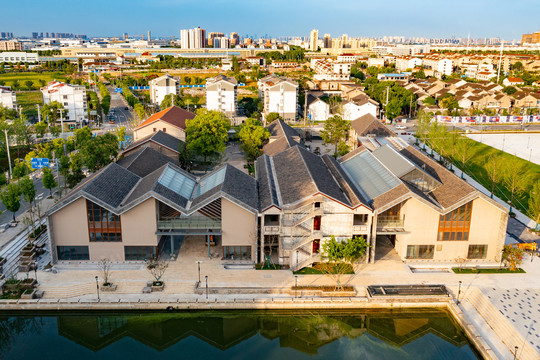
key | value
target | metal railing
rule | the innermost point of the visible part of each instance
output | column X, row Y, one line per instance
column 197, row 223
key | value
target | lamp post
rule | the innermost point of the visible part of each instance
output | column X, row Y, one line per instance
column 35, row 272
column 459, row 292
column 296, row 259
column 206, row 278
column 199, row 269
column 515, row 352
column 295, row 285
column 97, row 287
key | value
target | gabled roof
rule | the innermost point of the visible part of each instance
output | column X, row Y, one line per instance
column 298, row 174
column 282, row 137
column 369, row 125
column 144, row 161
column 159, row 137
column 173, row 115
column 221, row 77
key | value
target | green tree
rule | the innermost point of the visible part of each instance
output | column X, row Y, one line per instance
column 516, row 178
column 252, row 136
column 534, row 203
column 99, row 151
column 449, row 103
column 429, row 101
column 11, row 198
column 139, row 110
column 29, row 84
column 42, row 82
column 207, row 133
column 28, row 192
column 20, row 169
column 83, row 136
column 463, row 152
column 509, row 90
column 272, row 116
column 51, row 112
column 513, row 256
column 335, row 131
column 55, row 131
column 48, row 180
column 40, row 128
column 75, row 174
column 341, row 256
column 517, row 66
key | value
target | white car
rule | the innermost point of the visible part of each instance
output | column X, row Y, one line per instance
column 401, row 127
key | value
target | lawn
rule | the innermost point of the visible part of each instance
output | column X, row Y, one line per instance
column 28, row 101
column 33, row 76
column 488, row 271
column 315, row 270
column 475, row 168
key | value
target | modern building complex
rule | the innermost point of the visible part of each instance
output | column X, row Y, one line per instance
column 221, row 95
column 16, row 57
column 385, row 191
column 163, row 86
column 314, row 40
column 279, row 95
column 10, row 45
column 8, row 99
column 331, row 70
column 72, row 97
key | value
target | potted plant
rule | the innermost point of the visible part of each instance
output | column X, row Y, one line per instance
column 157, row 268
column 28, row 283
column 105, row 266
column 28, row 294
column 12, row 284
column 24, row 266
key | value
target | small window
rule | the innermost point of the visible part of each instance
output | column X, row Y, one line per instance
column 154, row 129
column 164, row 129
column 271, row 220
column 317, row 205
column 360, row 219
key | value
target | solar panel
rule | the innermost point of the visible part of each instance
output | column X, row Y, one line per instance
column 177, row 182
column 370, row 175
column 210, row 182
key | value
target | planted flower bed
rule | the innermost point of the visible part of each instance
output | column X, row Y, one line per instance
column 37, row 232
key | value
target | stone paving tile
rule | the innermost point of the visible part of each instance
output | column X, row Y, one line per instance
column 522, row 308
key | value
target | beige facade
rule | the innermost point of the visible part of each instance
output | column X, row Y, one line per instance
column 164, row 126
column 238, row 226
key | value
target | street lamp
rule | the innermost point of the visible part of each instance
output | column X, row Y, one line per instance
column 459, row 292
column 296, row 259
column 97, row 287
column 206, row 278
column 295, row 285
column 515, row 352
column 199, row 269
column 35, row 272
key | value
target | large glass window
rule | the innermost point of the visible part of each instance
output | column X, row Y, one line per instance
column 420, row 251
column 103, row 225
column 73, row 253
column 139, row 252
column 455, row 225
column 237, row 252
column 477, row 252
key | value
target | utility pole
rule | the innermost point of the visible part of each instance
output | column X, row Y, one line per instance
column 9, row 157
column 500, row 62
column 410, row 108
column 305, row 107
column 62, row 122
column 38, row 114
column 386, row 105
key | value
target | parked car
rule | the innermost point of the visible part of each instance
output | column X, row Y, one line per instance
column 401, row 127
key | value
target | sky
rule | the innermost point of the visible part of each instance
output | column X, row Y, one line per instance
column 507, row 19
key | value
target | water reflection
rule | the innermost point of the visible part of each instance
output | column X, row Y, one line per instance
column 429, row 334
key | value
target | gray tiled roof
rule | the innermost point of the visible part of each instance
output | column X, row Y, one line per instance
column 267, row 187
column 241, row 187
column 144, row 161
column 159, row 137
column 300, row 174
column 279, row 145
column 112, row 185
column 369, row 125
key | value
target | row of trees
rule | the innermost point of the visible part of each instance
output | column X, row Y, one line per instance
column 400, row 100
column 500, row 172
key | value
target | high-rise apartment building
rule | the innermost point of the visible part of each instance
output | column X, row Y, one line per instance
column 314, row 40
column 72, row 97
column 327, row 41
column 235, row 38
column 533, row 38
column 212, row 36
column 193, row 38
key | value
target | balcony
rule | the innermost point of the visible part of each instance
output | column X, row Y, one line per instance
column 271, row 230
column 185, row 224
column 389, row 223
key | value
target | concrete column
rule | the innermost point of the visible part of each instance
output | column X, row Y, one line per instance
column 373, row 239
column 172, row 245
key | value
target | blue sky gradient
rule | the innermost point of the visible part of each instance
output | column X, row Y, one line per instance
column 430, row 19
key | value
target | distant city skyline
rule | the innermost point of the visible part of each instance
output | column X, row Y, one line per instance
column 419, row 18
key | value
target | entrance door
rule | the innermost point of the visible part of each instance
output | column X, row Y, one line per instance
column 316, row 246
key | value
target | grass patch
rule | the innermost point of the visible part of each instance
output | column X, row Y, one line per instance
column 488, row 271
column 323, row 288
column 316, row 270
column 9, row 77
column 28, row 101
column 476, row 169
column 265, row 267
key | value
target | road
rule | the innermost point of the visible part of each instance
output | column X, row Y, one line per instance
column 122, row 117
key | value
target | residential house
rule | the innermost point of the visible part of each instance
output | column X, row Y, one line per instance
column 72, row 98
column 361, row 106
column 222, row 95
column 8, row 99
column 163, row 86
column 280, row 96
column 282, row 137
column 513, row 81
column 162, row 142
column 171, row 121
column 318, row 110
